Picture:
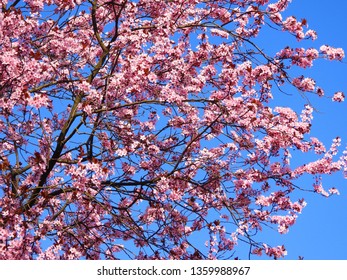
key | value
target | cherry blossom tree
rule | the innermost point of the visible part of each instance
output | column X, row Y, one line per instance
column 135, row 129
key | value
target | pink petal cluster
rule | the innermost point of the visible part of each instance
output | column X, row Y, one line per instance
column 332, row 53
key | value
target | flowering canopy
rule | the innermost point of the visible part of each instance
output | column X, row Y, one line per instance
column 136, row 128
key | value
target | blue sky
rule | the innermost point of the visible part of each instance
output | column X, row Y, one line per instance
column 320, row 232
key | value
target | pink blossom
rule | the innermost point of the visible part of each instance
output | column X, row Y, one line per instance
column 129, row 129
column 338, row 96
column 334, row 191
column 332, row 53
column 275, row 252
column 319, row 189
column 304, row 84
column 218, row 32
column 320, row 92
column 291, row 24
column 312, row 34
column 318, row 146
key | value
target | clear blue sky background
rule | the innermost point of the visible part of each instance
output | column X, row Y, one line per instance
column 320, row 231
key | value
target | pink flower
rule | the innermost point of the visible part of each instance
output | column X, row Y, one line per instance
column 304, row 84
column 275, row 252
column 150, row 127
column 338, row 96
column 332, row 53
column 312, row 34
column 218, row 32
column 334, row 191
column 320, row 92
column 291, row 24
column 38, row 101
column 318, row 188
